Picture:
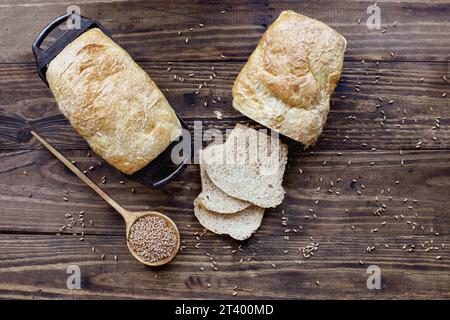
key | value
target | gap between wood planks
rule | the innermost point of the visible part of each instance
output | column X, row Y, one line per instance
column 244, row 60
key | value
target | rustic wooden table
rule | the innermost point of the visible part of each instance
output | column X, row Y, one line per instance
column 398, row 154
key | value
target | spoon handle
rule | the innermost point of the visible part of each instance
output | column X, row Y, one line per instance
column 82, row 176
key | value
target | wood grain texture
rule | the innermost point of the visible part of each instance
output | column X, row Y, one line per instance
column 425, row 177
column 34, row 267
column 28, row 103
column 33, row 184
column 149, row 30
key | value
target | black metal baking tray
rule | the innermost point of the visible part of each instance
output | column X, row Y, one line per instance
column 158, row 172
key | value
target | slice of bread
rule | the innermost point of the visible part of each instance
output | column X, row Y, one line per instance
column 249, row 166
column 239, row 225
column 214, row 199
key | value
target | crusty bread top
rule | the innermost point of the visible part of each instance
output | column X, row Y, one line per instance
column 248, row 169
column 112, row 102
column 288, row 80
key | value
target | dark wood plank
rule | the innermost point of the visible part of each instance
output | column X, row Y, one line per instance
column 33, row 201
column 34, row 266
column 25, row 102
column 149, row 30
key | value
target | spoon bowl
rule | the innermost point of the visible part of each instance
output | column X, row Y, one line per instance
column 131, row 217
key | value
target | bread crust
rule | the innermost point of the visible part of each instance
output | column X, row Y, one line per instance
column 112, row 102
column 288, row 80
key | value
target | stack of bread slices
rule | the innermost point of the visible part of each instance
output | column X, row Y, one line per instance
column 240, row 178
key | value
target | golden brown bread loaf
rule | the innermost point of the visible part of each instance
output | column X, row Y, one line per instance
column 287, row 82
column 112, row 102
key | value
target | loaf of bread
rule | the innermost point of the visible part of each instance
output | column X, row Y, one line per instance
column 288, row 80
column 112, row 102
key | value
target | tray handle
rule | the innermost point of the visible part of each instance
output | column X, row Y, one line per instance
column 45, row 56
column 147, row 175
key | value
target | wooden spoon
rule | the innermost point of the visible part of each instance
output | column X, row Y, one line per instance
column 130, row 217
